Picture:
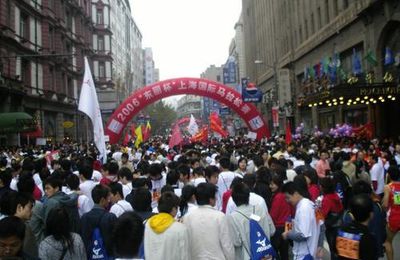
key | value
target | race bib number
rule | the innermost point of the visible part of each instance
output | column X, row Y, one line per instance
column 348, row 245
column 396, row 198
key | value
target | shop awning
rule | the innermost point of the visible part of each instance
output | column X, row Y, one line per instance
column 16, row 122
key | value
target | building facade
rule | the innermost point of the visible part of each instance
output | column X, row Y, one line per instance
column 151, row 74
column 117, row 61
column 42, row 44
column 300, row 44
column 190, row 105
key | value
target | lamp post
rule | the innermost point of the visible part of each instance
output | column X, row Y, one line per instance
column 274, row 97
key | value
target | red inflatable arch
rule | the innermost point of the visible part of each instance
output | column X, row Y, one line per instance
column 183, row 86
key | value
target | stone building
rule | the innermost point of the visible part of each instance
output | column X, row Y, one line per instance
column 296, row 36
column 42, row 44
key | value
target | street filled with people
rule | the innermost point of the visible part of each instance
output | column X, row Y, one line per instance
column 231, row 198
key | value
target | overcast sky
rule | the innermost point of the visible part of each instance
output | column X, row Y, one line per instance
column 186, row 35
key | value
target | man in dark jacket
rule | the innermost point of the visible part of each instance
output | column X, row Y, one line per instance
column 99, row 217
column 57, row 198
column 355, row 241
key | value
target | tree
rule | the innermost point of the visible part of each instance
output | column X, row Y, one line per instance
column 161, row 115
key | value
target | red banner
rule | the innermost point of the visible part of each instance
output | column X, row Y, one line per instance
column 275, row 116
column 365, row 131
column 201, row 136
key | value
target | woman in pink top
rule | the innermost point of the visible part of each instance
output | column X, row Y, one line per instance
column 322, row 165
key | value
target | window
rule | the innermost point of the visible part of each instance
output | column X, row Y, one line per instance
column 8, row 17
column 218, row 78
column 51, row 77
column 306, row 29
column 24, row 26
column 99, row 16
column 51, row 37
column 100, row 43
column 319, row 18
column 312, row 24
column 300, row 35
column 335, row 8
column 25, row 71
column 345, row 4
column 68, row 17
column 327, row 11
column 102, row 70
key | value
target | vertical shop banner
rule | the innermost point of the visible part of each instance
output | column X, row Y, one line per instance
column 229, row 71
column 275, row 116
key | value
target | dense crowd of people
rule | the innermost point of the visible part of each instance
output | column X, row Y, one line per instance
column 196, row 201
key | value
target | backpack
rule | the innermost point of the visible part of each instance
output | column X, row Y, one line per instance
column 97, row 247
column 260, row 245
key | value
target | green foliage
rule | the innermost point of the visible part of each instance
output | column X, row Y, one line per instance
column 161, row 115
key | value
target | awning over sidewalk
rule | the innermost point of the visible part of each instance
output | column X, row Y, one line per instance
column 16, row 122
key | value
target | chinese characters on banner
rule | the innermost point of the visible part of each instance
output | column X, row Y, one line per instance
column 275, row 116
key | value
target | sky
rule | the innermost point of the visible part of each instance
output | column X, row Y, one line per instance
column 187, row 36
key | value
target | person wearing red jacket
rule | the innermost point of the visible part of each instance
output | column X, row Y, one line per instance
column 312, row 183
column 280, row 212
column 331, row 209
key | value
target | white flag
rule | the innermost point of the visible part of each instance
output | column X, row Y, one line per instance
column 193, row 128
column 89, row 104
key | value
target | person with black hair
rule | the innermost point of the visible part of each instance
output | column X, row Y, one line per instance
column 99, row 217
column 391, row 202
column 362, row 168
column 210, row 226
column 305, row 228
column 188, row 200
column 127, row 236
column 322, row 167
column 125, row 177
column 125, row 162
column 354, row 241
column 5, row 180
column 87, row 184
column 242, row 166
column 377, row 224
column 61, row 242
column 348, row 166
column 84, row 203
column 109, row 172
column 198, row 176
column 12, row 236
column 141, row 203
column 158, row 180
column 117, row 199
column 331, row 209
column 377, row 173
column 280, row 212
column 212, row 173
column 255, row 199
column 163, row 233
column 225, row 179
column 184, row 174
column 239, row 221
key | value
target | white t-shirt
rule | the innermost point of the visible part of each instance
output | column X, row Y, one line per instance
column 96, row 176
column 224, row 182
column 197, row 181
column 377, row 174
column 86, row 188
column 120, row 208
column 254, row 200
column 306, row 224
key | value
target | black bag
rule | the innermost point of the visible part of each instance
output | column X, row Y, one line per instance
column 333, row 220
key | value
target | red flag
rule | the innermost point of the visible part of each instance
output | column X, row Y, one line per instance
column 365, row 131
column 201, row 136
column 126, row 139
column 176, row 137
column 133, row 128
column 216, row 124
column 288, row 136
column 147, row 132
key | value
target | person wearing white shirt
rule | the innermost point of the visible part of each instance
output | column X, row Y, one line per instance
column 254, row 200
column 210, row 226
column 377, row 175
column 305, row 229
column 120, row 206
column 84, row 203
column 87, row 185
column 225, row 179
column 198, row 173
column 126, row 178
